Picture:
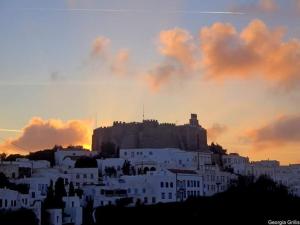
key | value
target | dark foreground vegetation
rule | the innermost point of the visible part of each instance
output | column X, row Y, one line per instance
column 19, row 217
column 246, row 202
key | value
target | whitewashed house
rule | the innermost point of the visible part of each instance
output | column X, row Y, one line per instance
column 72, row 210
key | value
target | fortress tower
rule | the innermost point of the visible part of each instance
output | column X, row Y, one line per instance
column 152, row 134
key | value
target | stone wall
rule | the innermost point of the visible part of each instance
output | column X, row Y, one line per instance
column 151, row 134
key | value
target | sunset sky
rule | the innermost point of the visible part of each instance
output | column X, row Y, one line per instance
column 234, row 63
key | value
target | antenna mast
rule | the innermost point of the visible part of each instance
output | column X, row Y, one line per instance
column 143, row 112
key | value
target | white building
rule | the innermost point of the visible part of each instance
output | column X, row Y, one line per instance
column 154, row 159
column 73, row 153
column 13, row 200
column 235, row 162
column 72, row 210
column 189, row 183
column 83, row 176
column 116, row 163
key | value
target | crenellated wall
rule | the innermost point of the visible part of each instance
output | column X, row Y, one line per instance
column 152, row 134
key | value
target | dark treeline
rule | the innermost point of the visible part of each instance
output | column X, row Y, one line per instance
column 247, row 201
column 19, row 217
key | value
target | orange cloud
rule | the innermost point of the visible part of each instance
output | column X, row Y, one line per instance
column 119, row 64
column 100, row 47
column 177, row 46
column 116, row 63
column 282, row 131
column 40, row 134
column 215, row 131
column 256, row 50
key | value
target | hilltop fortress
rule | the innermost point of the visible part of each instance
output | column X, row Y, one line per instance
column 152, row 134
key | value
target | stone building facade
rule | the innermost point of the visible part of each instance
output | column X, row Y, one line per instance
column 152, row 134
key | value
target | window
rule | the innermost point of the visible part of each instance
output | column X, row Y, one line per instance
column 198, row 183
column 84, row 176
column 171, row 184
column 5, row 203
column 72, row 204
column 194, row 183
column 188, row 183
column 0, row 203
column 145, row 200
column 92, row 176
column 77, row 176
column 136, row 190
column 170, row 195
column 33, row 194
column 167, row 184
column 129, row 190
column 162, row 195
column 161, row 184
column 153, row 200
column 144, row 190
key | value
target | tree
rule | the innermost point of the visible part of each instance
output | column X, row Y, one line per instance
column 71, row 189
column 217, row 149
column 49, row 200
column 18, row 217
column 60, row 190
column 3, row 156
column 110, row 171
column 86, row 162
column 13, row 157
column 126, row 168
column 4, row 182
column 47, row 154
column 88, row 212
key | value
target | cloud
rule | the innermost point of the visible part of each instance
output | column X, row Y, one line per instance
column 119, row 64
column 40, row 134
column 282, row 131
column 179, row 52
column 255, row 51
column 215, row 131
column 178, row 44
column 114, row 63
column 100, row 47
column 162, row 74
